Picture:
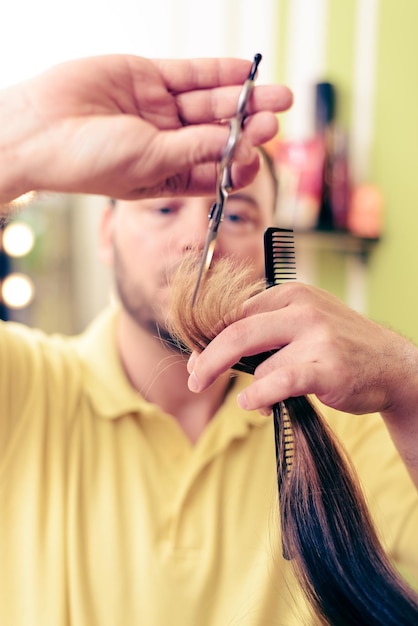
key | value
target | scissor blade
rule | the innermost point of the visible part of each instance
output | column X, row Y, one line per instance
column 224, row 176
column 206, row 260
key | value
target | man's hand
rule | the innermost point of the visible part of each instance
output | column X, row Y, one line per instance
column 323, row 348
column 129, row 127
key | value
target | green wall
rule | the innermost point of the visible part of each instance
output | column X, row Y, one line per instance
column 392, row 284
column 392, row 293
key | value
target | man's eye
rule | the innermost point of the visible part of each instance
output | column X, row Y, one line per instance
column 238, row 218
column 234, row 217
column 239, row 221
column 165, row 210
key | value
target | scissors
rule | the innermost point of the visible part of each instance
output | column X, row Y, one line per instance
column 224, row 182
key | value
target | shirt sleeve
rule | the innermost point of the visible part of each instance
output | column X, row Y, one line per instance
column 36, row 382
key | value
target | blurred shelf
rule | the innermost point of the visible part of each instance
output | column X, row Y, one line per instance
column 334, row 241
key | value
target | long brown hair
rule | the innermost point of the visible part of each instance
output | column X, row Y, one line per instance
column 327, row 530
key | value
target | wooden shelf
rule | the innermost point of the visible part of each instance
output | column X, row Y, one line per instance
column 334, row 241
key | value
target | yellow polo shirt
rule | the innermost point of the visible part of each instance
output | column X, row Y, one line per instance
column 110, row 517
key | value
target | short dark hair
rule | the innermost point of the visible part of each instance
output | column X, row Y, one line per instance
column 271, row 167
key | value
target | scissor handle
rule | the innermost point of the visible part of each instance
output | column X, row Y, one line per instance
column 224, row 185
column 235, row 127
column 247, row 87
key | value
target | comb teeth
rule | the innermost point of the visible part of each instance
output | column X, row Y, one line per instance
column 279, row 256
column 283, row 436
column 280, row 267
column 285, row 443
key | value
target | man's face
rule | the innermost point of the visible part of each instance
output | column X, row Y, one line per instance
column 145, row 241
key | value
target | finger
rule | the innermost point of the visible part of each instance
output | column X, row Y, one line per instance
column 181, row 75
column 270, row 320
column 296, row 331
column 285, row 295
column 187, row 158
column 191, row 361
column 202, row 106
column 245, row 165
column 125, row 157
column 203, row 179
column 246, row 337
column 311, row 378
column 283, row 383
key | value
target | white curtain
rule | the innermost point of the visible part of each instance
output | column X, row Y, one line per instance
column 36, row 34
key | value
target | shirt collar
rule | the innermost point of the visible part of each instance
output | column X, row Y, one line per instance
column 109, row 389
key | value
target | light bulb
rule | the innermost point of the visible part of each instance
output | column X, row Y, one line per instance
column 18, row 239
column 17, row 291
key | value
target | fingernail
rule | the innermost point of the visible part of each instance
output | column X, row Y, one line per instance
column 193, row 383
column 242, row 401
column 191, row 362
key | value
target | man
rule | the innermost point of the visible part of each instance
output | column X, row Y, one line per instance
column 146, row 241
column 132, row 499
column 125, row 497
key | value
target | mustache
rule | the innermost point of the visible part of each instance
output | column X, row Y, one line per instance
column 191, row 260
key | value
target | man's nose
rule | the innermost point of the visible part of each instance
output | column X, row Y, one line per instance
column 195, row 231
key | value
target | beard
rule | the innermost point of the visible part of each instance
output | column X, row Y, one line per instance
column 147, row 313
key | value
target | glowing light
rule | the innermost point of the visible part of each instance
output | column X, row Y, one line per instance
column 17, row 291
column 18, row 239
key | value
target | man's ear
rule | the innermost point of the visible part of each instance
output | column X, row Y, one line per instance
column 106, row 225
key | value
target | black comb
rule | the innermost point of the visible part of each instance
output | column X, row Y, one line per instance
column 279, row 256
column 280, row 267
